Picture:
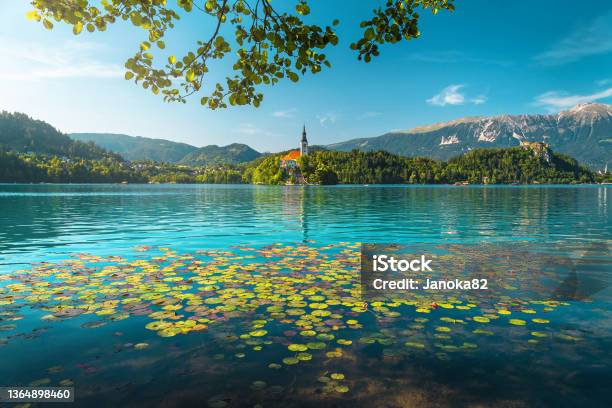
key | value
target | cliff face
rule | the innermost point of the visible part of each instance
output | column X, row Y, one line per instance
column 584, row 132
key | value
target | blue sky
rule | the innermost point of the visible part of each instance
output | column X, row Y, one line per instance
column 487, row 58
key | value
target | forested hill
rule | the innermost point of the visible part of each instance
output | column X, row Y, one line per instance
column 493, row 166
column 22, row 134
column 485, row 166
column 214, row 155
column 137, row 147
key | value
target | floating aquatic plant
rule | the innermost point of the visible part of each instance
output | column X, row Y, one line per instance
column 303, row 300
column 517, row 322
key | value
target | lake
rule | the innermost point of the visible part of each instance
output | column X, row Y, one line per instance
column 218, row 295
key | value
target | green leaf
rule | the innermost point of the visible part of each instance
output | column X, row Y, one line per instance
column 33, row 15
column 78, row 27
column 293, row 76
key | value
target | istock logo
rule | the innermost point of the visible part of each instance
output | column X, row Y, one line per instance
column 489, row 271
column 384, row 263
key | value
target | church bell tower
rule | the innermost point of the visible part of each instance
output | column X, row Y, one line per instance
column 304, row 143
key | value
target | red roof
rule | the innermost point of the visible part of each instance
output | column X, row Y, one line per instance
column 292, row 155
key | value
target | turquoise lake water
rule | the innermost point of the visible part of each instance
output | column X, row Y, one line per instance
column 86, row 269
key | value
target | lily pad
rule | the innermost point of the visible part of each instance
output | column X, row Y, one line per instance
column 290, row 360
column 517, row 322
column 297, row 347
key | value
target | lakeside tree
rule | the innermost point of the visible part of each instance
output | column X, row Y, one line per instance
column 270, row 42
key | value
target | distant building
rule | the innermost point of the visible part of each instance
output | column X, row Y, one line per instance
column 539, row 149
column 290, row 160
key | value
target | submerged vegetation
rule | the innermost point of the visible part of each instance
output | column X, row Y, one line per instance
column 295, row 310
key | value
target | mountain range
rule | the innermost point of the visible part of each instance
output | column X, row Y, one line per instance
column 160, row 150
column 234, row 153
column 583, row 132
column 137, row 147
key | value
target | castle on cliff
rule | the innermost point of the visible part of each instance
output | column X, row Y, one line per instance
column 539, row 149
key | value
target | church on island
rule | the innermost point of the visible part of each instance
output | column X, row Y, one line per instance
column 290, row 165
column 290, row 160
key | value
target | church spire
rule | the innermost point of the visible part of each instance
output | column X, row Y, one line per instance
column 304, row 143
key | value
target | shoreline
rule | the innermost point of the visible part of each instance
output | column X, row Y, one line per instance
column 313, row 185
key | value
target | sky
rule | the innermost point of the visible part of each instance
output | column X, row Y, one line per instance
column 487, row 58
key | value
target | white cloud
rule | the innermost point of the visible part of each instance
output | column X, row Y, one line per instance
column 448, row 96
column 22, row 61
column 590, row 39
column 327, row 119
column 285, row 114
column 452, row 95
column 557, row 100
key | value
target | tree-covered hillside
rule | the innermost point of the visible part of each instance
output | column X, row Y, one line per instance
column 214, row 155
column 36, row 168
column 501, row 166
column 20, row 133
column 138, row 148
column 488, row 166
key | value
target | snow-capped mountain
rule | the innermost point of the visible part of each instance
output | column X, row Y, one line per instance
column 583, row 132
